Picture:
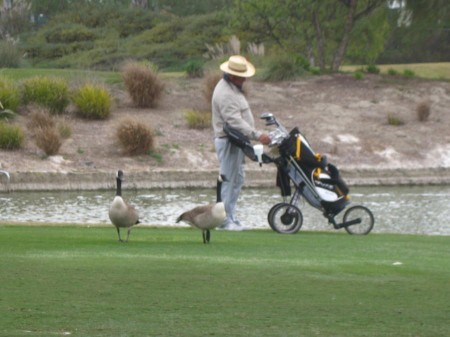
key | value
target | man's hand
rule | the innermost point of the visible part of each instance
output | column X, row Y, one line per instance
column 264, row 139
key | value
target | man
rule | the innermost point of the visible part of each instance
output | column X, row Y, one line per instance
column 229, row 105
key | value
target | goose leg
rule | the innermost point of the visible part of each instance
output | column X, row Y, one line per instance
column 118, row 233
column 128, row 234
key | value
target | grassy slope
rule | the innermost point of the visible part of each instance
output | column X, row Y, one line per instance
column 423, row 70
column 165, row 282
column 440, row 71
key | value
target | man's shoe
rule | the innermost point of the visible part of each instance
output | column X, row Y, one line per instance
column 231, row 226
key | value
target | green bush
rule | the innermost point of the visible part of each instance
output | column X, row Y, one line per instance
column 143, row 84
column 68, row 33
column 9, row 95
column 285, row 67
column 392, row 72
column 394, row 120
column 92, row 101
column 10, row 55
column 198, row 119
column 358, row 75
column 52, row 93
column 135, row 137
column 194, row 68
column 409, row 73
column 11, row 136
column 373, row 69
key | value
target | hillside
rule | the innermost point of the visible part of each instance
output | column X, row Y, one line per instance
column 344, row 118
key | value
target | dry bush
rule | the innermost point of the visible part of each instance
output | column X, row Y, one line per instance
column 48, row 140
column 135, row 137
column 423, row 111
column 143, row 84
column 40, row 118
column 47, row 134
column 210, row 81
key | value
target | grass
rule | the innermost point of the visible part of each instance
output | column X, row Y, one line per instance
column 165, row 282
column 17, row 74
column 438, row 71
column 108, row 77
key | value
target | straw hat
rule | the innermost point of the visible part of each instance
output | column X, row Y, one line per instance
column 238, row 66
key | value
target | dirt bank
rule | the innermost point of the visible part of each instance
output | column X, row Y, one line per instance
column 344, row 118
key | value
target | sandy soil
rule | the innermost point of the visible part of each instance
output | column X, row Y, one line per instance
column 342, row 117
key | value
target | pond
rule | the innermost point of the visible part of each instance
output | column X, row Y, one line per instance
column 400, row 209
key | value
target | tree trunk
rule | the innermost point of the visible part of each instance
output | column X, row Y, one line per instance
column 320, row 41
column 340, row 52
column 143, row 4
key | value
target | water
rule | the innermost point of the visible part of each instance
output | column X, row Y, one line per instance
column 412, row 210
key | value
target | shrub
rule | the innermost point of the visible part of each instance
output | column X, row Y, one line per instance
column 6, row 113
column 64, row 128
column 9, row 55
column 9, row 95
column 394, row 120
column 68, row 33
column 315, row 71
column 423, row 111
column 373, row 69
column 210, row 82
column 143, row 84
column 408, row 73
column 48, row 140
column 198, row 119
column 392, row 72
column 11, row 136
column 194, row 68
column 285, row 67
column 358, row 75
column 52, row 93
column 42, row 126
column 135, row 137
column 92, row 101
column 39, row 118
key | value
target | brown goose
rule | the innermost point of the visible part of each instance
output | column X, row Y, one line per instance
column 209, row 216
column 121, row 213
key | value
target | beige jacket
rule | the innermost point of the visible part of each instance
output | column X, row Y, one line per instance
column 229, row 105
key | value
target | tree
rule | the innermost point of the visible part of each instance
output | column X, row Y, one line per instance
column 420, row 32
column 319, row 30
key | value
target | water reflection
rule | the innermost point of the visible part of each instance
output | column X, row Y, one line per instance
column 415, row 210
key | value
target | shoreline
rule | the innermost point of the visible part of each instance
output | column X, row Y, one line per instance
column 174, row 179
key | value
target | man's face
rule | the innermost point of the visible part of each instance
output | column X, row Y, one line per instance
column 239, row 81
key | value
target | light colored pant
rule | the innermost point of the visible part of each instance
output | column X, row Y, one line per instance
column 232, row 160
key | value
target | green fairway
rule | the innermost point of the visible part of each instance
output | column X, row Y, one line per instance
column 79, row 281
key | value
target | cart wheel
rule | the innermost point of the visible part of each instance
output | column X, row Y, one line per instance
column 285, row 218
column 359, row 213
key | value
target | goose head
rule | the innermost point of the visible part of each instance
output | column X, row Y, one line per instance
column 119, row 179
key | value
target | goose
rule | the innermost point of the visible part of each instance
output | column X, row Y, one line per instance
column 209, row 216
column 8, row 178
column 121, row 213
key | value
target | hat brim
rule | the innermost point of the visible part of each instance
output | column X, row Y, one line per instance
column 250, row 71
